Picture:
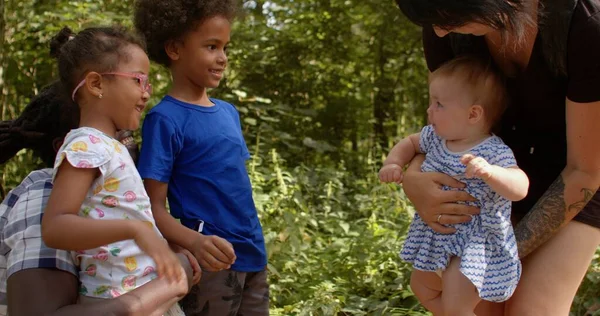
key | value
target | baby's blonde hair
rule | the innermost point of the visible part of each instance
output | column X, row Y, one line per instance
column 482, row 80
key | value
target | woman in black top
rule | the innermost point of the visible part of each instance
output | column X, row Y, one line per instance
column 550, row 54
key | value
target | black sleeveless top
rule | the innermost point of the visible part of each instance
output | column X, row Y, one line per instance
column 534, row 124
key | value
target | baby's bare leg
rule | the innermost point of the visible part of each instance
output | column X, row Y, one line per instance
column 427, row 286
column 459, row 295
column 487, row 308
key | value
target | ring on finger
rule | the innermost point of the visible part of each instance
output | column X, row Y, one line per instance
column 438, row 218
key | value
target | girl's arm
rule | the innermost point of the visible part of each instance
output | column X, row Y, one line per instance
column 62, row 228
column 574, row 187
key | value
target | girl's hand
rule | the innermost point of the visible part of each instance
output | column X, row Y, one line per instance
column 435, row 206
column 213, row 252
column 477, row 167
column 167, row 264
column 391, row 173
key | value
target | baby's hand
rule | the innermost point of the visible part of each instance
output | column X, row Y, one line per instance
column 477, row 167
column 167, row 264
column 391, row 173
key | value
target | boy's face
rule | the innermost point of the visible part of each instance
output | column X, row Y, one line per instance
column 203, row 52
column 449, row 108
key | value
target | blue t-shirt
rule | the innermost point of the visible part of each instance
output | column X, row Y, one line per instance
column 200, row 152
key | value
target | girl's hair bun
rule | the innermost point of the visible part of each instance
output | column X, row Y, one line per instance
column 59, row 40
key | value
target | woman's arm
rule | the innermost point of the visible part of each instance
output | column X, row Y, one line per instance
column 55, row 293
column 574, row 187
column 424, row 190
column 62, row 228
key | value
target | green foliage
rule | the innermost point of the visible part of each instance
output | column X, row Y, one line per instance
column 26, row 65
column 322, row 87
column 354, row 65
column 333, row 241
column 587, row 301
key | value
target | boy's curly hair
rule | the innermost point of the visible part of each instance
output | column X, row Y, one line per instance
column 161, row 21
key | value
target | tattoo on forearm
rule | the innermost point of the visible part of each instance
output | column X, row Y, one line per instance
column 546, row 216
column 578, row 206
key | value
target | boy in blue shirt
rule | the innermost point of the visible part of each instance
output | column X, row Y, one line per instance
column 193, row 152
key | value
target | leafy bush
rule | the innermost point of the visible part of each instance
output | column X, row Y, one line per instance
column 343, row 78
column 333, row 241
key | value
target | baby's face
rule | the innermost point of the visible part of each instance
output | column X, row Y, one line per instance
column 449, row 107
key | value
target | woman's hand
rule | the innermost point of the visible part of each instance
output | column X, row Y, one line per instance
column 196, row 270
column 435, row 206
column 126, row 138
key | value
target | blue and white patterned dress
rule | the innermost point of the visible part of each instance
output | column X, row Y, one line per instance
column 486, row 245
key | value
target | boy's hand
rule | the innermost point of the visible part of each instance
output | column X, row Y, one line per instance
column 167, row 264
column 391, row 173
column 477, row 167
column 213, row 253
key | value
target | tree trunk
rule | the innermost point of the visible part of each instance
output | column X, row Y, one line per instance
column 2, row 63
column 383, row 97
column 2, row 86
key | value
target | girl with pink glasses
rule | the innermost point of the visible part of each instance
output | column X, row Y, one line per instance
column 98, row 208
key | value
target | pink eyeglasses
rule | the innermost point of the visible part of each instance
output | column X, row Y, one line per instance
column 142, row 79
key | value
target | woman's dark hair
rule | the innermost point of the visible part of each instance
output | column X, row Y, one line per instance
column 98, row 49
column 508, row 16
column 161, row 21
column 49, row 116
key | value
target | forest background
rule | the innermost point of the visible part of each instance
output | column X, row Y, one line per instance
column 324, row 88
